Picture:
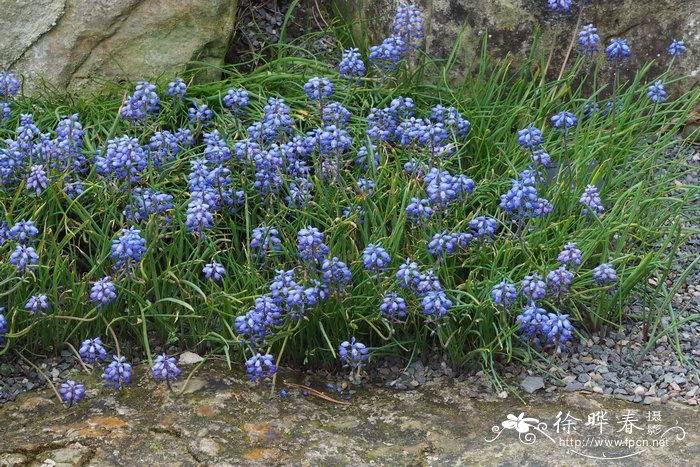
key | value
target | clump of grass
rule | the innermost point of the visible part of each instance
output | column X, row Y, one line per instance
column 355, row 198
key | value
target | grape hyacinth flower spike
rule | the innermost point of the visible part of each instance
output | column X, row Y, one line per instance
column 351, row 66
column 588, row 39
column 214, row 271
column 560, row 6
column 3, row 325
column 618, row 50
column 676, row 48
column 164, row 368
column 504, row 294
column 656, row 92
column 605, row 274
column 375, row 258
column 103, row 292
column 118, row 373
column 591, row 202
column 260, row 367
column 91, row 350
column 71, row 393
column 353, row 355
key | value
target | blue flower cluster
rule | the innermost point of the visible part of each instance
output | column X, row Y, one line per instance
column 237, row 100
column 164, row 368
column 3, row 325
column 37, row 303
column 142, row 104
column 618, row 50
column 128, row 248
column 92, row 349
column 588, row 39
column 9, row 85
column 523, row 200
column 265, row 240
column 544, row 328
column 656, row 92
column 605, row 274
column 676, row 48
column 352, row 354
column 318, row 89
column 24, row 257
column 375, row 258
column 177, row 90
column 118, row 373
column 591, row 202
column 103, row 292
column 214, row 271
column 536, row 324
column 351, row 65
column 123, row 159
column 71, row 393
column 563, row 6
column 407, row 33
column 259, row 367
column 311, row 246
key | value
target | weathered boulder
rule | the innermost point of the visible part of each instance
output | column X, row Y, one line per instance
column 67, row 43
column 511, row 25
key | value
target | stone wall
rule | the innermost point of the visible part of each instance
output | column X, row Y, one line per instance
column 69, row 42
column 511, row 24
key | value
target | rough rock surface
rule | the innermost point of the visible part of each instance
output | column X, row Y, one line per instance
column 511, row 25
column 67, row 43
column 224, row 420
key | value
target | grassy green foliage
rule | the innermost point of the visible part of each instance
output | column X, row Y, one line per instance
column 166, row 300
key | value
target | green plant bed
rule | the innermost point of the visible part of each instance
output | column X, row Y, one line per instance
column 163, row 294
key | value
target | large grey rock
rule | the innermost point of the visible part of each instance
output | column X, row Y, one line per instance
column 67, row 43
column 511, row 25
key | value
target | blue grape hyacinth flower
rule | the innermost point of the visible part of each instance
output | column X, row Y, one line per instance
column 605, row 274
column 590, row 200
column 311, row 246
column 504, row 294
column 3, row 325
column 24, row 258
column 351, row 65
column 676, row 48
column 533, row 287
column 393, row 307
column 103, row 292
column 375, row 258
column 118, row 373
column 37, row 303
column 563, row 6
column 352, row 354
column 92, row 349
column 260, row 367
column 530, row 137
column 128, row 248
column 656, row 92
column 618, row 50
column 71, row 392
column 164, row 368
column 564, row 120
column 588, row 39
column 213, row 271
column 570, row 256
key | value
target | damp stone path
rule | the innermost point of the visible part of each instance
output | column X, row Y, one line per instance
column 220, row 419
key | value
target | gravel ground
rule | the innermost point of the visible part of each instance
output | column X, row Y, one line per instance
column 16, row 376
